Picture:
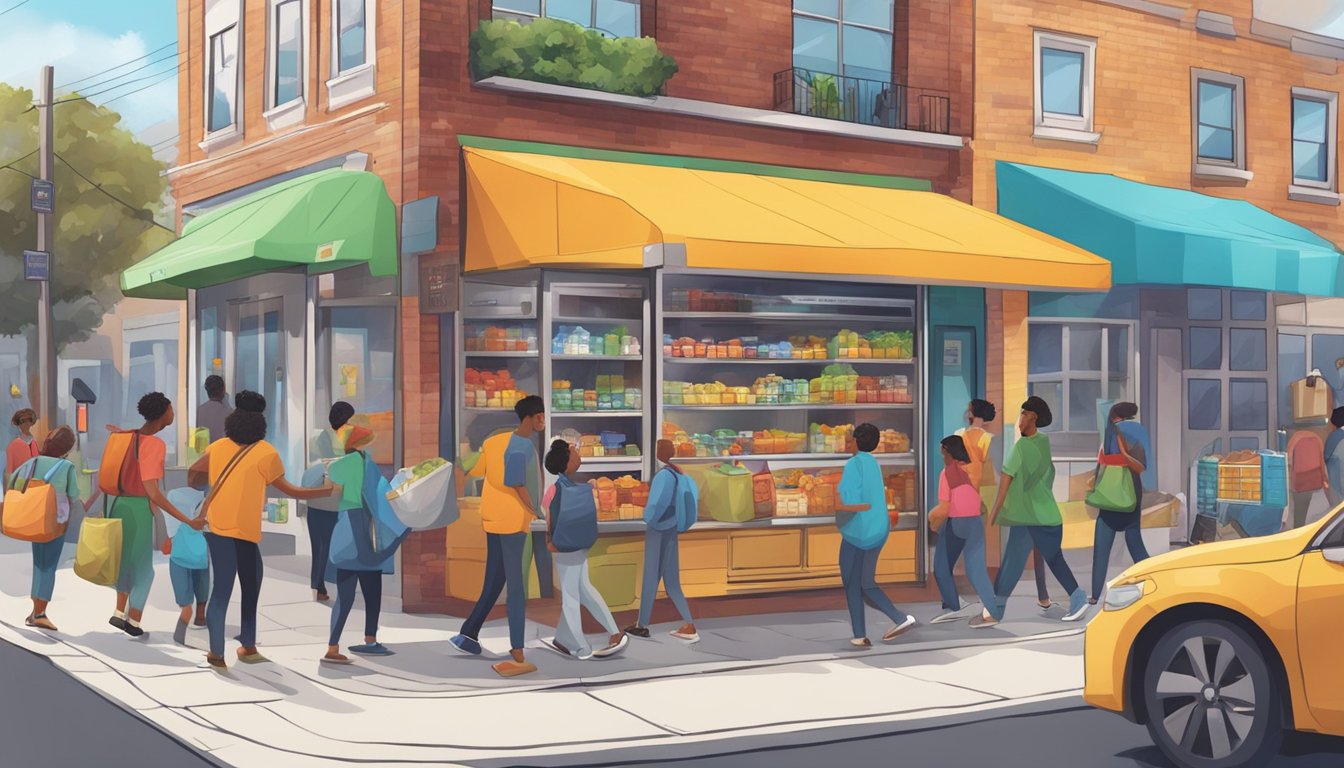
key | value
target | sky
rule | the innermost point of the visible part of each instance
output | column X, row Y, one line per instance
column 82, row 38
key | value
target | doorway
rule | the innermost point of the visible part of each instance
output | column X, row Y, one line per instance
column 259, row 360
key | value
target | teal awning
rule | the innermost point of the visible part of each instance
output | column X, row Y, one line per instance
column 323, row 221
column 1163, row 236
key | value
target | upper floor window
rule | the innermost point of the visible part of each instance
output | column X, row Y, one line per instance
column 352, row 52
column 1315, row 117
column 286, row 52
column 614, row 18
column 222, row 73
column 851, row 38
column 1219, row 133
column 351, row 35
column 1065, row 74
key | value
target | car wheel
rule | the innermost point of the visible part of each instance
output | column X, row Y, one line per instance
column 1211, row 699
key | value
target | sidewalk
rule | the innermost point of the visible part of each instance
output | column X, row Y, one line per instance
column 754, row 680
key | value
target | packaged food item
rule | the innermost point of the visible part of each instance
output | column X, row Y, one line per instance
column 490, row 389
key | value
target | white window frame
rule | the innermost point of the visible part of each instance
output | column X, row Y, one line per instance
column 219, row 16
column 1310, row 190
column 1216, row 168
column 291, row 112
column 352, row 85
column 1065, row 374
column 592, row 15
column 1053, row 125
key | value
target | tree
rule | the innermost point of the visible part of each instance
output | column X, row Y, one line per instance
column 98, row 233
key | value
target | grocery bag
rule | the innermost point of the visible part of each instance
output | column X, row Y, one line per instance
column 98, row 554
column 30, row 510
column 727, row 494
column 763, row 494
column 1113, row 490
column 428, row 501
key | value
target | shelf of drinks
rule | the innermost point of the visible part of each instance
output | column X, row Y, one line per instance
column 518, row 355
column 597, row 414
column 896, row 459
column 787, row 361
column 601, row 358
column 797, row 407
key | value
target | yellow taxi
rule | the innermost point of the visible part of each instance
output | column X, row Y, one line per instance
column 1221, row 648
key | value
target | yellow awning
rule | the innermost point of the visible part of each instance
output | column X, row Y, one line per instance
column 529, row 210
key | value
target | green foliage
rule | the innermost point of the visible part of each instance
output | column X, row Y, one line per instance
column 95, row 236
column 563, row 53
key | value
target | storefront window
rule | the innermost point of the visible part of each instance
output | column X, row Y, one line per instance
column 1246, row 349
column 1292, row 366
column 1248, row 305
column 358, row 367
column 1074, row 367
column 152, row 368
column 1248, row 405
column 1206, row 349
column 1204, row 304
column 212, row 352
column 1045, row 344
column 1205, row 403
column 1327, row 355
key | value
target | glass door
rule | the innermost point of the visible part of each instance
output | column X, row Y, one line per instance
column 259, row 361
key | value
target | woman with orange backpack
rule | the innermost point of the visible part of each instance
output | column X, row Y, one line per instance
column 59, row 473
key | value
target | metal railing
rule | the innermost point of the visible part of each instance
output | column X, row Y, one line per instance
column 856, row 100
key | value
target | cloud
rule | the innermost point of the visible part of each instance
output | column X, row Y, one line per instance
column 1324, row 17
column 30, row 41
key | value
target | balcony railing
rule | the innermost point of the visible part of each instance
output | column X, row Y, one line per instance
column 856, row 100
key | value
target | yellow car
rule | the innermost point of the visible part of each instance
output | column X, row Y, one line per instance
column 1221, row 648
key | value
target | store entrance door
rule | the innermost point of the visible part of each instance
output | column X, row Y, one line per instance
column 955, row 379
column 259, row 360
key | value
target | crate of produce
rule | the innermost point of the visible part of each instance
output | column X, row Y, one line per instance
column 1239, row 477
column 791, row 502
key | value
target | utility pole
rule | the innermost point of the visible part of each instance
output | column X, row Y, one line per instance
column 46, row 346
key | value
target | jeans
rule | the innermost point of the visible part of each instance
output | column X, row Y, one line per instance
column 189, row 585
column 661, row 562
column 233, row 559
column 46, row 557
column 137, row 548
column 1301, row 506
column 858, row 572
column 1021, row 538
column 963, row 536
column 371, row 584
column 576, row 592
column 1108, row 524
column 321, row 523
column 503, row 568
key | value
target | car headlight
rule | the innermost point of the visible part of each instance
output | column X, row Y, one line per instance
column 1122, row 596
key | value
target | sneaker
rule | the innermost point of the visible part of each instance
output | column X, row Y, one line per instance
column 613, row 649
column 585, row 654
column 180, row 632
column 689, row 638
column 899, row 629
column 215, row 662
column 861, row 643
column 557, row 646
column 134, row 631
column 1077, row 605
column 1045, row 608
column 956, row 615
column 635, row 630
column 468, row 645
column 372, row 649
column 118, row 622
column 984, row 621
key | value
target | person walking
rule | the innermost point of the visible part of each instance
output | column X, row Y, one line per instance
column 372, row 559
column 963, row 533
column 141, row 470
column 24, row 447
column 1334, row 459
column 508, row 462
column 211, row 414
column 321, row 514
column 1027, row 503
column 672, row 501
column 1128, row 439
column 1306, row 469
column 241, row 466
column 51, row 460
column 864, row 527
column 571, row 529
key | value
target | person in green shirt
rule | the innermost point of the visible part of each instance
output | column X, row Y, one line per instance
column 1026, row 507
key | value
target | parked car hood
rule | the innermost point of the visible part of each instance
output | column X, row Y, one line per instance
column 1263, row 549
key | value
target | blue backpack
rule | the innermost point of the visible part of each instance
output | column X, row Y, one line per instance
column 366, row 538
column 575, row 526
column 687, row 495
column 189, row 547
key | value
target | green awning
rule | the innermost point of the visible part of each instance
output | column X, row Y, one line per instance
column 1162, row 236
column 323, row 221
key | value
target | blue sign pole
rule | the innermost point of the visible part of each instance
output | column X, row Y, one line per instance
column 36, row 266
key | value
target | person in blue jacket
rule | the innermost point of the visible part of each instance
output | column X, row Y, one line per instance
column 364, row 564
column 864, row 528
column 665, row 516
column 571, row 529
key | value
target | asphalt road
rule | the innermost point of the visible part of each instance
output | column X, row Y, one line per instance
column 49, row 720
column 1078, row 738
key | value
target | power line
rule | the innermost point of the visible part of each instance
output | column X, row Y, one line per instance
column 118, row 85
column 139, row 213
column 140, row 68
column 164, row 79
column 14, row 7
column 119, row 66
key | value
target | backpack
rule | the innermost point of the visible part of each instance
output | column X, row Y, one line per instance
column 1307, row 462
column 30, row 510
column 687, row 497
column 119, row 473
column 575, row 526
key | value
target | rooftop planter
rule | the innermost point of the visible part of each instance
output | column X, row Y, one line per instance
column 562, row 53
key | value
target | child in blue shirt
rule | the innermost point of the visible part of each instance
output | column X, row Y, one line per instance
column 864, row 525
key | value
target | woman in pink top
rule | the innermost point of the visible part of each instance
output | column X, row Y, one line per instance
column 963, row 534
column 23, row 447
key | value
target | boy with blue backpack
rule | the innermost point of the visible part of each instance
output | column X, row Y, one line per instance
column 674, row 502
column 571, row 529
column 188, row 564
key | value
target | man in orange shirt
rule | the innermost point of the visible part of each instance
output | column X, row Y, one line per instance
column 509, row 499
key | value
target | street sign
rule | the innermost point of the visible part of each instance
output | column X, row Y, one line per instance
column 44, row 196
column 36, row 265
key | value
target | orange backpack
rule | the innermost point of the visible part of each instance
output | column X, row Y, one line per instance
column 119, row 472
column 30, row 510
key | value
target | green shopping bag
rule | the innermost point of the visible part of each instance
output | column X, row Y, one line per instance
column 1113, row 489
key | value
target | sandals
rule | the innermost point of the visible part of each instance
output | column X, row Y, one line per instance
column 252, row 657
column 215, row 662
column 40, row 621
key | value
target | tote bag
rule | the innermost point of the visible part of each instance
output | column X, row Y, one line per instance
column 30, row 511
column 98, row 554
column 1113, row 490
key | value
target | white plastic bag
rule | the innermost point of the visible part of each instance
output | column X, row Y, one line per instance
column 427, row 503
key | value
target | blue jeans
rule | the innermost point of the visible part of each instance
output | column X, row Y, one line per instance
column 321, row 524
column 858, row 572
column 964, row 536
column 46, row 556
column 1108, row 524
column 503, row 568
column 233, row 559
column 371, row 584
column 577, row 592
column 1021, row 538
column 661, row 562
column 190, row 585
